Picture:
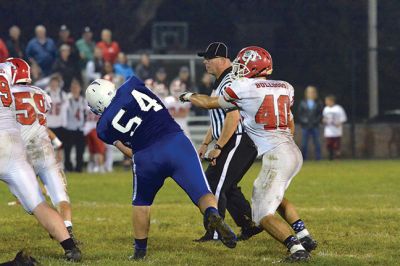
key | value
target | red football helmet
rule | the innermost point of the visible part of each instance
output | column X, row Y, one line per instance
column 22, row 72
column 251, row 62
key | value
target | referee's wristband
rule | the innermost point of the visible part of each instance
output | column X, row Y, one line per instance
column 217, row 147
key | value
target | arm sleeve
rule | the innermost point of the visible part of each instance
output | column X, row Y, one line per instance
column 343, row 116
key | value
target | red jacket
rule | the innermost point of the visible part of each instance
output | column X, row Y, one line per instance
column 3, row 51
column 110, row 51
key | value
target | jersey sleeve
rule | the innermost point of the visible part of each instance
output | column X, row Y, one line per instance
column 291, row 94
column 104, row 134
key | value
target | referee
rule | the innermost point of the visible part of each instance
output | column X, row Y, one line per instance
column 233, row 153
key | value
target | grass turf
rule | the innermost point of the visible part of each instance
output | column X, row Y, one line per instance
column 351, row 208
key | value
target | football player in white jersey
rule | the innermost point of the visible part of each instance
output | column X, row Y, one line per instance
column 265, row 109
column 31, row 106
column 14, row 167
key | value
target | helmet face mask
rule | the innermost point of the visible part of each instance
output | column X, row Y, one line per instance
column 99, row 95
column 251, row 62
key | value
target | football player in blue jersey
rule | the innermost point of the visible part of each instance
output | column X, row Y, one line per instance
column 136, row 121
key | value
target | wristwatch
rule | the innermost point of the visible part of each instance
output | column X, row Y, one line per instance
column 217, row 147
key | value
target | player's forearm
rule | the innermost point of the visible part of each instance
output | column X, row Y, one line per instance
column 204, row 101
column 51, row 134
column 208, row 137
column 124, row 149
column 291, row 126
column 230, row 125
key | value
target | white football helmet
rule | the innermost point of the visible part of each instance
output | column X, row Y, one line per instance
column 99, row 95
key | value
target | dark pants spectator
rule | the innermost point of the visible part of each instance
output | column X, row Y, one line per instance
column 333, row 146
column 74, row 138
column 314, row 134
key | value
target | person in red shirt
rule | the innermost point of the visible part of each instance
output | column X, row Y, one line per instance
column 3, row 50
column 109, row 47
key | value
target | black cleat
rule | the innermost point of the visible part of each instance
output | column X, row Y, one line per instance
column 216, row 223
column 71, row 234
column 23, row 259
column 298, row 256
column 73, row 254
column 308, row 243
column 247, row 233
column 139, row 255
column 206, row 237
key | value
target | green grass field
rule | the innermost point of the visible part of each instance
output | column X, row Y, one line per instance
column 351, row 207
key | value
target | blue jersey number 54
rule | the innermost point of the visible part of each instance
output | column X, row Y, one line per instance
column 145, row 102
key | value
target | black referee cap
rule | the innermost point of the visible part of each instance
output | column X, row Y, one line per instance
column 215, row 49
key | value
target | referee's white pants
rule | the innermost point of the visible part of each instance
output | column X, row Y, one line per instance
column 279, row 166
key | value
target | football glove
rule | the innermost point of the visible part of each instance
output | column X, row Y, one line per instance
column 185, row 97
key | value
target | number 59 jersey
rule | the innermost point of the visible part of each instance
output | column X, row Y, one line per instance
column 136, row 117
column 265, row 109
column 30, row 105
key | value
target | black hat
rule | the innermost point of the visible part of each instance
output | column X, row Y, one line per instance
column 215, row 49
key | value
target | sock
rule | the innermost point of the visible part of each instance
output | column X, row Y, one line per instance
column 207, row 213
column 300, row 229
column 298, row 226
column 68, row 223
column 140, row 244
column 293, row 244
column 68, row 244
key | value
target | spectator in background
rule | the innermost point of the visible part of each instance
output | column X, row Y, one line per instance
column 95, row 67
column 57, row 115
column 3, row 50
column 64, row 37
column 161, row 76
column 109, row 47
column 122, row 68
column 333, row 118
column 42, row 50
column 184, row 77
column 178, row 110
column 161, row 90
column 66, row 67
column 204, row 87
column 95, row 146
column 110, row 75
column 309, row 115
column 86, row 47
column 76, row 106
column 144, row 69
column 14, row 45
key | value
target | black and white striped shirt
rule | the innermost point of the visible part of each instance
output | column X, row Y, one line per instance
column 217, row 116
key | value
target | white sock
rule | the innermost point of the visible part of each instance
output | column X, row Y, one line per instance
column 68, row 223
column 295, row 248
column 302, row 234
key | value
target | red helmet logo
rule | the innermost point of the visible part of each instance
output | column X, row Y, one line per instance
column 22, row 71
column 251, row 62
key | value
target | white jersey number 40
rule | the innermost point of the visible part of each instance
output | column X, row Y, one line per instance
column 145, row 103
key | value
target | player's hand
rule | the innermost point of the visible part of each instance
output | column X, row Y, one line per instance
column 185, row 97
column 202, row 151
column 213, row 155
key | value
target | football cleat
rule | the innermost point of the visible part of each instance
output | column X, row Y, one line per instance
column 308, row 243
column 216, row 223
column 206, row 237
column 71, row 234
column 247, row 233
column 140, row 254
column 298, row 256
column 23, row 259
column 73, row 254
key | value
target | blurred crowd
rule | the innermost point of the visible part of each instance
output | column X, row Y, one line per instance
column 64, row 66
